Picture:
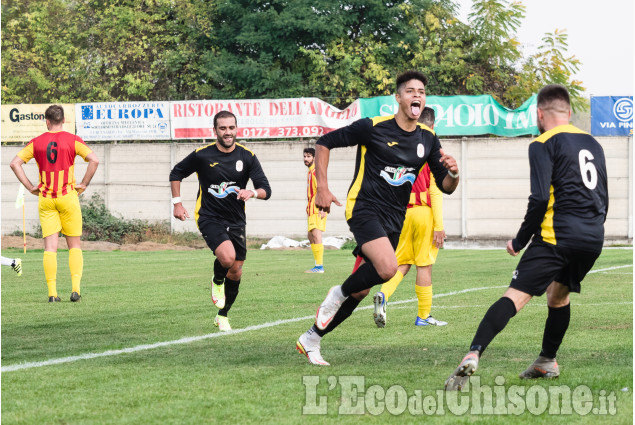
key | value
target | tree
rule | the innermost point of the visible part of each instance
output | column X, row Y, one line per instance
column 128, row 50
column 549, row 66
column 96, row 50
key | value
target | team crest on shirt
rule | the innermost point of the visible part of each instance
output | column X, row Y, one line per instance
column 398, row 176
column 239, row 165
column 515, row 274
column 222, row 190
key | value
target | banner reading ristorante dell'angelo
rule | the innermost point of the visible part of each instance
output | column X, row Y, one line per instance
column 261, row 119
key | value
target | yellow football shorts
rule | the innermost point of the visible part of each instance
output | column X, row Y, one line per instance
column 60, row 214
column 416, row 243
column 317, row 222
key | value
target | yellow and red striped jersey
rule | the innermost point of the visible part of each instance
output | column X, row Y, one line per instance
column 54, row 153
column 311, row 189
column 426, row 193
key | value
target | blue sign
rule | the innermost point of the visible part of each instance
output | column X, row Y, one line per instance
column 612, row 115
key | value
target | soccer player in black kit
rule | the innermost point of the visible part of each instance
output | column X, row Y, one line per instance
column 223, row 169
column 391, row 152
column 565, row 215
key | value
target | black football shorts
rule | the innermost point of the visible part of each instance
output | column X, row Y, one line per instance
column 216, row 233
column 543, row 263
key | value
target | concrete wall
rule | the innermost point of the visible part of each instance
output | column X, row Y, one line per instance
column 490, row 201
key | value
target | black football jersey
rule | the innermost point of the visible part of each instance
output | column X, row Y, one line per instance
column 221, row 175
column 387, row 164
column 569, row 195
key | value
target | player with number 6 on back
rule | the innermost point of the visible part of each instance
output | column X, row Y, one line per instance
column 55, row 152
column 565, row 215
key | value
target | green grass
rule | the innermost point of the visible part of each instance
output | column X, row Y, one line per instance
column 134, row 298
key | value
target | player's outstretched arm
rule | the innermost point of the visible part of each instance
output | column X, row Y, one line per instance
column 323, row 196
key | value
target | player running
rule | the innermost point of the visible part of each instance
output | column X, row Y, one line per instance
column 566, row 213
column 391, row 152
column 223, row 169
column 421, row 238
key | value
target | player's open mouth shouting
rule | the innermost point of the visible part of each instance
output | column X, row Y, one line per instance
column 415, row 108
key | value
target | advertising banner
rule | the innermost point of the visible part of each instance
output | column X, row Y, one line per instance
column 466, row 115
column 123, row 121
column 612, row 115
column 261, row 119
column 21, row 123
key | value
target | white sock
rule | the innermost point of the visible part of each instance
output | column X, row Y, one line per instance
column 7, row 261
column 338, row 293
column 313, row 337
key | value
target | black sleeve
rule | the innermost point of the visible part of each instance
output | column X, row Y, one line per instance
column 541, row 166
column 351, row 135
column 184, row 168
column 257, row 176
column 438, row 170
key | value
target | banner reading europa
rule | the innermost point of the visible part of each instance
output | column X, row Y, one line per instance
column 123, row 121
column 261, row 119
column 21, row 123
column 466, row 115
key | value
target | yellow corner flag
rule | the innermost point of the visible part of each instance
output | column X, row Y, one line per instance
column 19, row 201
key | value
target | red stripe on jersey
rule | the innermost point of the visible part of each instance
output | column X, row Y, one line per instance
column 421, row 185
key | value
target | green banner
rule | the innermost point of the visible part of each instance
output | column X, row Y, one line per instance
column 466, row 115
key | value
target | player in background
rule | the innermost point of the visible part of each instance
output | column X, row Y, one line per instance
column 565, row 215
column 58, row 204
column 391, row 151
column 316, row 218
column 421, row 237
column 223, row 169
column 14, row 263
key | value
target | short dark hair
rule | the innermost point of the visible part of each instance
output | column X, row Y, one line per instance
column 309, row 151
column 224, row 114
column 55, row 114
column 552, row 93
column 427, row 116
column 410, row 75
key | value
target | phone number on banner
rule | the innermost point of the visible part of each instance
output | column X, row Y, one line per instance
column 271, row 132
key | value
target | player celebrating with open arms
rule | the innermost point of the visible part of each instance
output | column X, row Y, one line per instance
column 223, row 169
column 391, row 152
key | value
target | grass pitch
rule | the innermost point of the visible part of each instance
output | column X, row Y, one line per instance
column 137, row 299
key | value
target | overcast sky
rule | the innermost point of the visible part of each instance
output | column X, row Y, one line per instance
column 600, row 35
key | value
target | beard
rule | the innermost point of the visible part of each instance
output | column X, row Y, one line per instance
column 227, row 143
column 541, row 128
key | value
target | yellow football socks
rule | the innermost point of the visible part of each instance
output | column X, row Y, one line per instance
column 424, row 295
column 318, row 253
column 50, row 272
column 76, row 265
column 388, row 288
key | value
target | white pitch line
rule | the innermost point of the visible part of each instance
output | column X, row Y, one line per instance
column 187, row 340
column 610, row 268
